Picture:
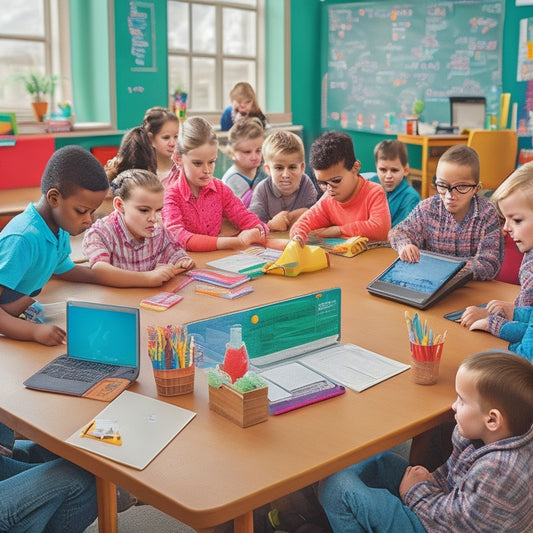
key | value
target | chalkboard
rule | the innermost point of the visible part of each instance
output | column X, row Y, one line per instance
column 141, row 59
column 384, row 56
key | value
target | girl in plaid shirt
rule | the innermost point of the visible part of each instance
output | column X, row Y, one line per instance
column 130, row 247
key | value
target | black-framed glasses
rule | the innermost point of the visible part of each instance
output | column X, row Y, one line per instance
column 333, row 182
column 461, row 189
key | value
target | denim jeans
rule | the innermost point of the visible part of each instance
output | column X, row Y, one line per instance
column 364, row 497
column 55, row 496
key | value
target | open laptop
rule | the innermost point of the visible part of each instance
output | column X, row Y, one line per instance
column 294, row 345
column 102, row 356
column 420, row 284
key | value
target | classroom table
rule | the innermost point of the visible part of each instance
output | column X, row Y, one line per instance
column 433, row 146
column 214, row 470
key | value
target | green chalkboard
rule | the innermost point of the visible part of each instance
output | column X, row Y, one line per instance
column 384, row 56
column 141, row 59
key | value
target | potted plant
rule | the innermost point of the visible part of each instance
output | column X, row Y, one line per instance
column 39, row 85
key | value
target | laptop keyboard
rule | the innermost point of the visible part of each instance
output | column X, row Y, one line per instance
column 78, row 370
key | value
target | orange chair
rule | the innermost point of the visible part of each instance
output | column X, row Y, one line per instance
column 497, row 152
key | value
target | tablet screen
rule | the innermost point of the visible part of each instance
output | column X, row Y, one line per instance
column 426, row 276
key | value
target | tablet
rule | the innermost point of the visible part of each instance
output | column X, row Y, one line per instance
column 420, row 284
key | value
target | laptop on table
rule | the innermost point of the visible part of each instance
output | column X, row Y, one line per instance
column 421, row 284
column 103, row 353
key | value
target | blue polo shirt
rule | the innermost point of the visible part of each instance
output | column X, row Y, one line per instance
column 30, row 252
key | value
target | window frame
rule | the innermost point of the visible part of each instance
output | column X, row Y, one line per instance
column 222, row 99
column 55, row 39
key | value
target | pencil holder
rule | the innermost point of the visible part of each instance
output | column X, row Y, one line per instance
column 425, row 362
column 174, row 381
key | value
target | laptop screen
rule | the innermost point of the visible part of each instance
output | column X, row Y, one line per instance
column 103, row 333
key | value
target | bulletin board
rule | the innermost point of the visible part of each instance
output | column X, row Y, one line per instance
column 384, row 56
column 140, row 58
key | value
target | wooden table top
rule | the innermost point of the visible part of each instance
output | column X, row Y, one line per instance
column 214, row 470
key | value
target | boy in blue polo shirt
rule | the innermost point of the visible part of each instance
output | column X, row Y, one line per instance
column 35, row 244
column 392, row 167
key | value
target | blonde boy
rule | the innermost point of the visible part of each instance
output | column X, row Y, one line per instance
column 288, row 192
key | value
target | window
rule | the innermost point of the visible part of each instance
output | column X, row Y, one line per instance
column 29, row 42
column 212, row 45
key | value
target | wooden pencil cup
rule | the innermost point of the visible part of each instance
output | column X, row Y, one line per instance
column 174, row 381
column 425, row 362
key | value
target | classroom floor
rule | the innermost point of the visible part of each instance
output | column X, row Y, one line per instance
column 140, row 519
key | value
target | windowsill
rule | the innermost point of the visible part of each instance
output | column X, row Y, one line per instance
column 80, row 129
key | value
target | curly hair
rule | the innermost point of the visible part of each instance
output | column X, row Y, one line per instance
column 331, row 148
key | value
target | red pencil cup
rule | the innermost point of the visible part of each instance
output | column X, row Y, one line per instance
column 174, row 381
column 425, row 362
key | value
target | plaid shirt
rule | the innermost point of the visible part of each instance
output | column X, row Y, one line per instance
column 109, row 240
column 481, row 488
column 478, row 238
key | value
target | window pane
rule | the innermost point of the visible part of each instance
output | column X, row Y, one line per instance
column 22, row 18
column 17, row 57
column 178, row 73
column 235, row 71
column 203, row 86
column 239, row 32
column 250, row 3
column 178, row 26
column 203, row 29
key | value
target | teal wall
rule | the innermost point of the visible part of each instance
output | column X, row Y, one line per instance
column 275, row 56
column 306, row 27
column 90, row 60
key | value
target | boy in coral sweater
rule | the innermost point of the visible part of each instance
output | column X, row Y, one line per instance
column 351, row 205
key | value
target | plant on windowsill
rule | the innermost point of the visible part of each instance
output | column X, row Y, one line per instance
column 38, row 86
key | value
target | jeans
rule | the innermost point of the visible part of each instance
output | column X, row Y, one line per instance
column 364, row 497
column 55, row 496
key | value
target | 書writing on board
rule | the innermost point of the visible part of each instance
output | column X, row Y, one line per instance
column 384, row 56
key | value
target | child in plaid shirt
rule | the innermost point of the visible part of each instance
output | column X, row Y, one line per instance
column 511, row 320
column 484, row 486
column 130, row 247
column 455, row 221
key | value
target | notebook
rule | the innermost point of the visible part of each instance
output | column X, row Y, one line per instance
column 102, row 356
column 295, row 345
column 421, row 284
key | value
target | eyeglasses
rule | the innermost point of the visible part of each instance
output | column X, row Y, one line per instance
column 461, row 189
column 332, row 182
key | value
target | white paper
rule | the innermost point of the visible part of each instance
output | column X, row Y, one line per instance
column 292, row 376
column 353, row 366
column 146, row 426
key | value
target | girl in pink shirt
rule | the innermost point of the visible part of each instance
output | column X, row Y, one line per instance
column 196, row 204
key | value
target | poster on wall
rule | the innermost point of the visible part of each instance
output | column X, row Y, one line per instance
column 141, row 26
column 525, row 50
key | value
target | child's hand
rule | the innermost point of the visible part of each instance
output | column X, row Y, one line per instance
column 252, row 236
column 49, row 334
column 482, row 324
column 499, row 307
column 412, row 476
column 161, row 273
column 410, row 254
column 280, row 222
column 186, row 263
column 473, row 313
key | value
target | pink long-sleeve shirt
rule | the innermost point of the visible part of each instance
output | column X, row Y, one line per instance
column 366, row 214
column 195, row 223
